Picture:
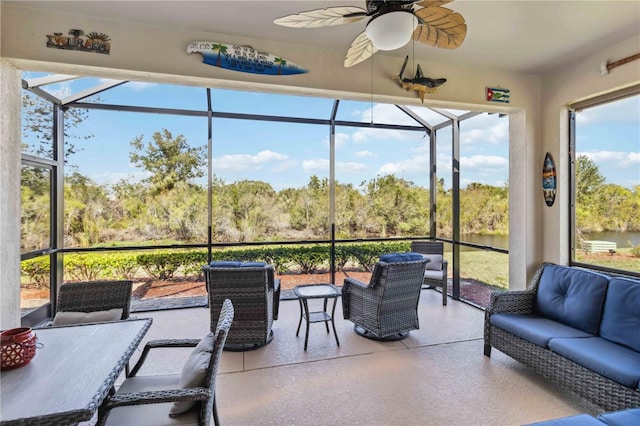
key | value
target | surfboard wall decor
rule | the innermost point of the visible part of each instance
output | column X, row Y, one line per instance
column 243, row 58
column 549, row 180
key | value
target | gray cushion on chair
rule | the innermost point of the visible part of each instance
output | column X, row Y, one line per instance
column 150, row 414
column 194, row 371
column 435, row 262
column 433, row 275
column 72, row 318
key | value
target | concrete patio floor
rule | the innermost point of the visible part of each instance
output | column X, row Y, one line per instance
column 436, row 376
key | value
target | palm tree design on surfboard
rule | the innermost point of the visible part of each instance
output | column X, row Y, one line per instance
column 243, row 58
column 549, row 180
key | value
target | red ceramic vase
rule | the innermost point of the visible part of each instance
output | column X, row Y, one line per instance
column 18, row 346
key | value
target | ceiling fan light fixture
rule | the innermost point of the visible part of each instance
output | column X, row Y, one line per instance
column 391, row 30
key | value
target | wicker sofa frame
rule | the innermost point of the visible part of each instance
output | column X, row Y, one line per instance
column 255, row 295
column 386, row 308
column 599, row 391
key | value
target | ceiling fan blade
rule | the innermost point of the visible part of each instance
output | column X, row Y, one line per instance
column 432, row 3
column 440, row 27
column 322, row 17
column 361, row 49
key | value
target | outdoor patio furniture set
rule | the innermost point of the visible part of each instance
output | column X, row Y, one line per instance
column 576, row 327
column 385, row 309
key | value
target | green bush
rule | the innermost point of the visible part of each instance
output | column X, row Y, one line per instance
column 85, row 267
column 164, row 264
column 159, row 265
column 37, row 270
column 123, row 266
column 635, row 250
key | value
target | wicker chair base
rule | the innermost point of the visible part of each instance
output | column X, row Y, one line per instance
column 369, row 335
column 244, row 347
column 604, row 394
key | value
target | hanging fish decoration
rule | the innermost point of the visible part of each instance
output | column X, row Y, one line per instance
column 419, row 83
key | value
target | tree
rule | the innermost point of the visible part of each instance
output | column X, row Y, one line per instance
column 168, row 160
column 37, row 125
column 588, row 178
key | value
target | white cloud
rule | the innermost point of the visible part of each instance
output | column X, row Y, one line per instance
column 321, row 166
column 406, row 167
column 270, row 160
column 387, row 114
column 364, row 154
column 485, row 129
column 139, row 85
column 483, row 162
column 621, row 159
column 315, row 166
column 113, row 178
column 622, row 111
column 341, row 139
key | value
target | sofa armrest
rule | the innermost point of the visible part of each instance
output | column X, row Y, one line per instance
column 506, row 302
column 511, row 302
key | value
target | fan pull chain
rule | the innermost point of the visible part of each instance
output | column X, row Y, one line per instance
column 371, row 90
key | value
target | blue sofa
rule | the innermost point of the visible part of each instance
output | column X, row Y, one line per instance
column 576, row 327
column 629, row 417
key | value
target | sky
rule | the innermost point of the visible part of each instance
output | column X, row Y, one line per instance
column 288, row 154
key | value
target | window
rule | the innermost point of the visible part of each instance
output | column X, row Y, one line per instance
column 606, row 184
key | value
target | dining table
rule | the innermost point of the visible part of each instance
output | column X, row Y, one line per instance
column 73, row 371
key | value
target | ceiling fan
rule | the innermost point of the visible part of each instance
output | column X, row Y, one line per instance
column 392, row 25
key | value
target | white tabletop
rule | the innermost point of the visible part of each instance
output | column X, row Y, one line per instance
column 71, row 373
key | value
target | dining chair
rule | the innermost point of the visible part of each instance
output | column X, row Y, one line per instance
column 436, row 273
column 387, row 307
column 179, row 399
column 92, row 301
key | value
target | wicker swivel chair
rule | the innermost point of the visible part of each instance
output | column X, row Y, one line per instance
column 436, row 273
column 92, row 301
column 386, row 308
column 255, row 295
column 187, row 399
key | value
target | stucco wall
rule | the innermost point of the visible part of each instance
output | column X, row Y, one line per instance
column 560, row 88
column 9, row 196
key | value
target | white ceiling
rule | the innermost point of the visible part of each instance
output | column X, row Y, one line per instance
column 523, row 36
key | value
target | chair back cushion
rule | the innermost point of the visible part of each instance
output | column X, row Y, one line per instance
column 72, row 318
column 91, row 296
column 435, row 262
column 572, row 296
column 194, row 372
column 400, row 257
column 621, row 315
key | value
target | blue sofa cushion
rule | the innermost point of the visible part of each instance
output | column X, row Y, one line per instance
column 534, row 328
column 400, row 257
column 621, row 315
column 579, row 420
column 628, row 417
column 572, row 296
column 608, row 359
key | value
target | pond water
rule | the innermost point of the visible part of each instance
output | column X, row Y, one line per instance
column 502, row 241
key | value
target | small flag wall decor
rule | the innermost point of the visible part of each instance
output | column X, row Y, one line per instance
column 497, row 94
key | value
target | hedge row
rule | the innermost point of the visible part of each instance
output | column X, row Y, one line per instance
column 165, row 264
